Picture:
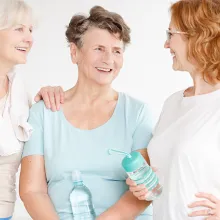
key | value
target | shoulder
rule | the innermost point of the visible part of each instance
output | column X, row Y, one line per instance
column 40, row 111
column 175, row 97
column 38, row 107
column 133, row 103
column 135, row 108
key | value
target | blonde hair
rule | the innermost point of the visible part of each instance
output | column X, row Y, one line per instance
column 201, row 20
column 13, row 12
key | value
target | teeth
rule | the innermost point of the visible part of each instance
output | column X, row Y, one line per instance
column 173, row 54
column 21, row 48
column 103, row 69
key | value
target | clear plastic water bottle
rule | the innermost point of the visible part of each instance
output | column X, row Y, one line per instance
column 81, row 199
column 139, row 171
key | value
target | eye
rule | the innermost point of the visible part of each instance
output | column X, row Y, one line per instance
column 20, row 29
column 31, row 30
column 118, row 52
column 98, row 48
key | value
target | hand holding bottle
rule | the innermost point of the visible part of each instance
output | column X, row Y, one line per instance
column 139, row 191
column 142, row 174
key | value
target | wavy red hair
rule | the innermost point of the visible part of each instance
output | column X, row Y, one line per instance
column 201, row 20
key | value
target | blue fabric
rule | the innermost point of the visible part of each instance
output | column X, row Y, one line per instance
column 6, row 218
column 66, row 148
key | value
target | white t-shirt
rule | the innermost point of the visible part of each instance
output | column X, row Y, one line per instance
column 186, row 150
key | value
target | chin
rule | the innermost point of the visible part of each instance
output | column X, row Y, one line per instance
column 177, row 68
column 21, row 62
column 104, row 83
column 174, row 68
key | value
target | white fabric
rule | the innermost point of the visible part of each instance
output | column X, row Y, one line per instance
column 186, row 150
column 2, row 104
column 14, row 129
column 8, row 169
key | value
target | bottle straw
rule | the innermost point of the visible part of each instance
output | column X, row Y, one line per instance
column 110, row 151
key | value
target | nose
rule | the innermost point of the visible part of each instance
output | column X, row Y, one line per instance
column 167, row 44
column 28, row 38
column 108, row 57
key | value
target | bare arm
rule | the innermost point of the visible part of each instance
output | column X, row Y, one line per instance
column 128, row 207
column 33, row 189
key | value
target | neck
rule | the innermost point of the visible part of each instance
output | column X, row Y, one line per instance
column 91, row 93
column 200, row 86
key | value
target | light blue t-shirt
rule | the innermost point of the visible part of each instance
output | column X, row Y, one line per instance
column 66, row 148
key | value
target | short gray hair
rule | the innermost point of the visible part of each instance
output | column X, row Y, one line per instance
column 99, row 18
column 13, row 12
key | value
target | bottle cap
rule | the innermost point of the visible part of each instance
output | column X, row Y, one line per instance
column 76, row 176
column 134, row 162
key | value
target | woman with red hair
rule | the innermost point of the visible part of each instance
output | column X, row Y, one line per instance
column 186, row 143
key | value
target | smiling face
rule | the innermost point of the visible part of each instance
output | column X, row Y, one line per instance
column 15, row 44
column 178, row 44
column 100, row 58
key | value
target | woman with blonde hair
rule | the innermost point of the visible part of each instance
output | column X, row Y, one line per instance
column 15, row 43
column 185, row 147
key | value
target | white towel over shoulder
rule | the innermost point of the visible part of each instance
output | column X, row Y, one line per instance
column 14, row 129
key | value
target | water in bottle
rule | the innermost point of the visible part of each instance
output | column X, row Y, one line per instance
column 81, row 199
column 139, row 171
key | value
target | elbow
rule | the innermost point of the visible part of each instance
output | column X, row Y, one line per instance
column 23, row 195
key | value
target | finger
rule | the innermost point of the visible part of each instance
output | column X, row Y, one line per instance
column 130, row 182
column 205, row 203
column 43, row 93
column 62, row 96
column 57, row 97
column 52, row 100
column 140, row 194
column 142, row 197
column 205, row 212
column 207, row 196
column 137, row 188
column 154, row 169
column 37, row 98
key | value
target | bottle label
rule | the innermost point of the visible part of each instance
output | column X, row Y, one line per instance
column 144, row 175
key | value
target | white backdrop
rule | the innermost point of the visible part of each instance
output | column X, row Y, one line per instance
column 147, row 73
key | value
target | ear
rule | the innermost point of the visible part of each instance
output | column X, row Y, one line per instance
column 73, row 52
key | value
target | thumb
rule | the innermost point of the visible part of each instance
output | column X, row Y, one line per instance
column 37, row 98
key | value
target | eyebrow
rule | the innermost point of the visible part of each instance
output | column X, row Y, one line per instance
column 116, row 48
column 25, row 25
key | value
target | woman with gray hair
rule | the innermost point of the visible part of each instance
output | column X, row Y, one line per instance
column 15, row 43
column 93, row 118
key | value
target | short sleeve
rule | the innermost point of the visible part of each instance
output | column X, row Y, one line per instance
column 35, row 145
column 144, row 128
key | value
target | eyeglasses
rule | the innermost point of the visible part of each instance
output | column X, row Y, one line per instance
column 170, row 33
